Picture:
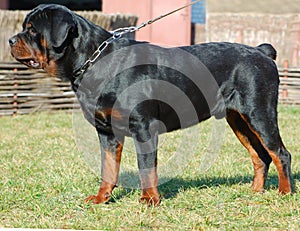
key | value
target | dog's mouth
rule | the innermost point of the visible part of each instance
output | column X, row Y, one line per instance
column 30, row 63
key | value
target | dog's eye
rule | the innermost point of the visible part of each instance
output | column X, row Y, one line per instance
column 32, row 31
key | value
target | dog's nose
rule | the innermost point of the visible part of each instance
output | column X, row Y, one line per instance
column 12, row 41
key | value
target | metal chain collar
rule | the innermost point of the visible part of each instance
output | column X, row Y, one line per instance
column 116, row 34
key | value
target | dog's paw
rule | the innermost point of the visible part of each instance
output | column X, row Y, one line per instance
column 98, row 199
column 150, row 200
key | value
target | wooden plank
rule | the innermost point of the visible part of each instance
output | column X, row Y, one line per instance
column 37, row 94
column 43, row 105
column 12, row 65
column 33, row 78
column 38, row 106
column 290, row 74
column 6, row 106
column 296, row 80
column 290, row 69
column 20, row 88
column 33, row 103
column 291, row 91
column 29, row 80
column 6, row 100
column 290, row 88
column 45, row 108
column 17, row 72
column 6, row 112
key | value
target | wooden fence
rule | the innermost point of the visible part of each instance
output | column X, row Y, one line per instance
column 289, row 90
column 25, row 91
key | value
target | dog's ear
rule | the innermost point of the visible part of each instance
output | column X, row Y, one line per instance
column 64, row 28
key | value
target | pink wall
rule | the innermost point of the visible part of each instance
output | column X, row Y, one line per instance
column 139, row 8
column 174, row 30
column 3, row 4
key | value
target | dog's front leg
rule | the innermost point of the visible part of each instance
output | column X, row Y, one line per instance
column 146, row 148
column 111, row 150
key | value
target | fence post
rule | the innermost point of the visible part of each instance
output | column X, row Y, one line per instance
column 15, row 96
column 285, row 76
column 240, row 35
column 296, row 43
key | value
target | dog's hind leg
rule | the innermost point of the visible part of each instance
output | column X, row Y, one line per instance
column 260, row 157
column 260, row 135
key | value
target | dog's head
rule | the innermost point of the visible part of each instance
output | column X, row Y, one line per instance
column 48, row 30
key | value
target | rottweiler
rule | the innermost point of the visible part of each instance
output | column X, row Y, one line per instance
column 141, row 90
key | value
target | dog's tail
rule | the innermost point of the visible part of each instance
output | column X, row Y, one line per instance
column 268, row 50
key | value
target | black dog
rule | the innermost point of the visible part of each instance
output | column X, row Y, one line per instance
column 140, row 90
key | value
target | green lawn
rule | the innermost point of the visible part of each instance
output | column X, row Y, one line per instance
column 44, row 179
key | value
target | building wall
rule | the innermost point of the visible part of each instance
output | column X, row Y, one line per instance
column 4, row 4
column 254, row 22
column 254, row 6
column 174, row 30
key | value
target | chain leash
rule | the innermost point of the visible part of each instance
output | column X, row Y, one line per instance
column 118, row 33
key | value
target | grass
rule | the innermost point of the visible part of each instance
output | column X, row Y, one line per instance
column 44, row 179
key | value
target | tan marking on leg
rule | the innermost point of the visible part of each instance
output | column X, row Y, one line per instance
column 149, row 183
column 110, row 173
column 284, row 180
column 258, row 164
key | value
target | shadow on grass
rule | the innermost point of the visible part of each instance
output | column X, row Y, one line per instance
column 173, row 186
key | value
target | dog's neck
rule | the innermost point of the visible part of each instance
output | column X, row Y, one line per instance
column 82, row 49
column 85, row 48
